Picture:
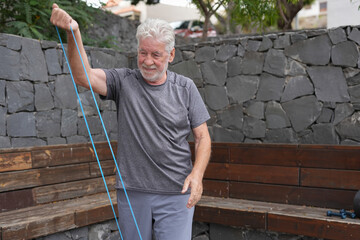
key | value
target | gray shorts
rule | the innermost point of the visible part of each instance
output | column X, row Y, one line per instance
column 165, row 216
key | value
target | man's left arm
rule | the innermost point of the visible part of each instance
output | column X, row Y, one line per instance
column 202, row 156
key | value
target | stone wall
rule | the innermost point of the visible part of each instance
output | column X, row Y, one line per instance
column 292, row 87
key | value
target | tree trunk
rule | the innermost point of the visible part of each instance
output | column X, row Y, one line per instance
column 287, row 12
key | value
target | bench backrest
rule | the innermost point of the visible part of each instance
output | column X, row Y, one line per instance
column 313, row 175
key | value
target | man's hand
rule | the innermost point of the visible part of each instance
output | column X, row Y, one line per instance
column 194, row 181
column 62, row 19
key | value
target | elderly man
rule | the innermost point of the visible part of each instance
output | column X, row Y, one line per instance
column 157, row 110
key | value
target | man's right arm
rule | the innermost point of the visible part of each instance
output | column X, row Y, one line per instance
column 97, row 77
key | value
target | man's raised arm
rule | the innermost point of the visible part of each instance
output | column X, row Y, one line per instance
column 97, row 77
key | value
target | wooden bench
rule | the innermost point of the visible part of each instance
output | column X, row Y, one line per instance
column 282, row 188
column 273, row 187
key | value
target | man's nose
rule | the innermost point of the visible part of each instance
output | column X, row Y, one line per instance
column 148, row 60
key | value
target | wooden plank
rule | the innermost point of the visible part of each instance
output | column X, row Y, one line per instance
column 63, row 156
column 69, row 190
column 19, row 180
column 104, row 152
column 330, row 178
column 323, row 229
column 220, row 154
column 16, row 199
column 264, row 174
column 216, row 188
column 218, row 171
column 99, row 213
column 265, row 192
column 265, row 154
column 108, row 167
column 324, row 156
column 15, row 161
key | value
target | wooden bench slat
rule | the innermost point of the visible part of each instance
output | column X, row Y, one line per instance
column 264, row 174
column 330, row 178
column 15, row 161
column 108, row 167
column 278, row 155
column 16, row 199
column 69, row 190
column 216, row 188
column 218, row 171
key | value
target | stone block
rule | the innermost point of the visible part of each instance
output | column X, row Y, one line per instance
column 189, row 69
column 214, row 73
column 294, row 68
column 253, row 45
column 48, row 123
column 232, row 117
column 20, row 96
column 355, row 35
column 242, row 88
column 345, row 54
column 68, row 123
column 281, row 135
column 342, row 111
column 5, row 142
column 9, row 64
column 297, row 87
column 255, row 109
column 2, row 93
column 270, row 88
column 56, row 141
column 349, row 128
column 253, row 63
column 32, row 61
column 226, row 52
column 27, row 142
column 337, row 35
column 64, row 95
column 99, row 59
column 88, row 104
column 227, row 135
column 48, row 44
column 52, row 62
column 275, row 116
column 324, row 133
column 254, row 128
column 43, row 98
column 275, row 62
column 215, row 97
column 266, row 44
column 282, row 42
column 234, row 66
column 354, row 92
column 94, row 125
column 302, row 112
column 240, row 50
column 77, row 139
column 21, row 125
column 313, row 51
column 178, row 57
column 205, row 54
column 3, row 114
column 326, row 116
column 14, row 42
column 296, row 37
column 330, row 84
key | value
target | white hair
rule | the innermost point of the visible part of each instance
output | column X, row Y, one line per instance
column 159, row 30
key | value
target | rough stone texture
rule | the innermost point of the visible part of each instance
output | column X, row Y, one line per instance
column 255, row 109
column 355, row 35
column 349, row 128
column 283, row 135
column 214, row 73
column 65, row 96
column 3, row 112
column 330, row 84
column 314, row 51
column 252, row 64
column 215, row 97
column 9, row 64
column 337, row 35
column 254, row 128
column 93, row 123
column 31, row 53
column 52, row 62
column 21, row 125
column 2, row 93
column 204, row 54
column 234, row 66
column 231, row 118
column 227, row 135
column 297, row 87
column 48, row 123
column 345, row 54
column 302, row 112
column 43, row 98
column 342, row 111
column 102, row 60
column 275, row 62
column 5, row 142
column 326, row 115
column 282, row 42
column 295, row 68
column 266, row 44
column 190, row 70
column 242, row 88
column 226, row 52
column 20, row 96
column 276, row 116
column 270, row 88
column 325, row 133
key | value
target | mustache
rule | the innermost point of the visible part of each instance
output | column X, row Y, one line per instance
column 149, row 67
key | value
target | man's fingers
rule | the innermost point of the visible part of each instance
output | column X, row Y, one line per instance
column 186, row 186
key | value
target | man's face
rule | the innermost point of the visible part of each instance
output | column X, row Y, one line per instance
column 153, row 60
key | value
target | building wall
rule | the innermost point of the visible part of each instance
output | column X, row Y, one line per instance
column 343, row 13
column 292, row 87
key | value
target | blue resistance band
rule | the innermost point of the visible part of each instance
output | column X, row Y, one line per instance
column 107, row 137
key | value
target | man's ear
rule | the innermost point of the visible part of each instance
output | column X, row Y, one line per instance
column 172, row 55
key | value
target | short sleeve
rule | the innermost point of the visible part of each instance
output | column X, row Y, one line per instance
column 198, row 113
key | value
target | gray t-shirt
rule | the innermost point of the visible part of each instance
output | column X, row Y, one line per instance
column 153, row 125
